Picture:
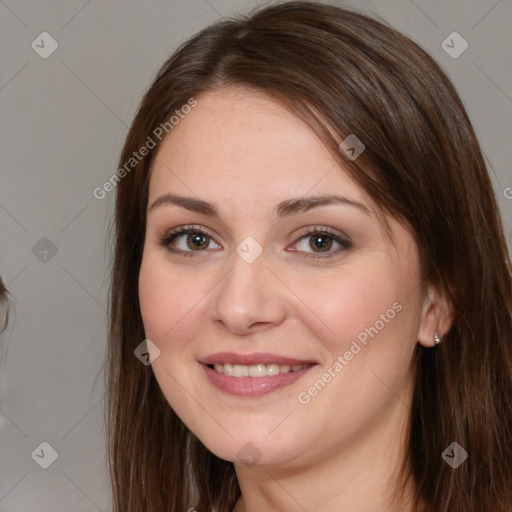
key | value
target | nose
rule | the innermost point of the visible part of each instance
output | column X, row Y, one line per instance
column 249, row 298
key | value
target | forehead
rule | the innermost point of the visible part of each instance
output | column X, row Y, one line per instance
column 239, row 141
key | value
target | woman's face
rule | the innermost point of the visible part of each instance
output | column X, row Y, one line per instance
column 266, row 277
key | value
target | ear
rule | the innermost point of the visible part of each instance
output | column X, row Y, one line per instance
column 437, row 315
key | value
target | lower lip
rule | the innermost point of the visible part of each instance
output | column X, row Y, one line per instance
column 252, row 386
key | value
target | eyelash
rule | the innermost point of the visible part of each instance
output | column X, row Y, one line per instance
column 167, row 239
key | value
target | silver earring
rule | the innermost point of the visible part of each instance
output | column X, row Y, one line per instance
column 437, row 339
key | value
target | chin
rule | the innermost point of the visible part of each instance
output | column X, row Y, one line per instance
column 248, row 449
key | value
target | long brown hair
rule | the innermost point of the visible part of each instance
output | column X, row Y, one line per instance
column 342, row 73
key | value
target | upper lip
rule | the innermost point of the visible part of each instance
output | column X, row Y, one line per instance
column 253, row 359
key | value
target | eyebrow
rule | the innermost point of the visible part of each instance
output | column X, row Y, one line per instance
column 283, row 209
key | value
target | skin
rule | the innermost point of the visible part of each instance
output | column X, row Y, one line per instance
column 340, row 451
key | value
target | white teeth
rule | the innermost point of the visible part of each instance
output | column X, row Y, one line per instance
column 272, row 369
column 240, row 371
column 258, row 370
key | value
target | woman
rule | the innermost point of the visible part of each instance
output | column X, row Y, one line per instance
column 310, row 255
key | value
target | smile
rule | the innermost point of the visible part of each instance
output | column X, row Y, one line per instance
column 253, row 374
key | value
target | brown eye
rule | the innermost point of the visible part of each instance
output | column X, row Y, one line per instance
column 320, row 242
column 187, row 241
column 197, row 241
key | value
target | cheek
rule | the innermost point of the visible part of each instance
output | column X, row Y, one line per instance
column 366, row 322
column 154, row 296
column 166, row 297
column 367, row 318
column 345, row 307
column 168, row 302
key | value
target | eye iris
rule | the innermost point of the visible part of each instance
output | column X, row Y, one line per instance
column 321, row 242
column 197, row 241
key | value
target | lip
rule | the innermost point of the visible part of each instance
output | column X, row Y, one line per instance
column 253, row 359
column 253, row 386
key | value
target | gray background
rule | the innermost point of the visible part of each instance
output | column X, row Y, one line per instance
column 63, row 120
